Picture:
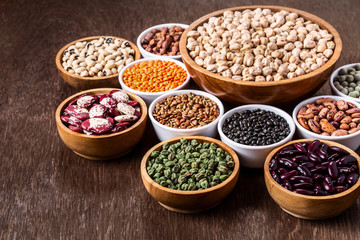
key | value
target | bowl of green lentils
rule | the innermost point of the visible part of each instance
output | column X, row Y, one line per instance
column 345, row 81
column 190, row 174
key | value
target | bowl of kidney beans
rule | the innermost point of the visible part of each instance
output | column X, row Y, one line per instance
column 254, row 130
column 313, row 179
column 101, row 124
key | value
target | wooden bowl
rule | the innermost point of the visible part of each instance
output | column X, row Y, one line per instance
column 190, row 201
column 102, row 147
column 311, row 207
column 283, row 91
column 83, row 83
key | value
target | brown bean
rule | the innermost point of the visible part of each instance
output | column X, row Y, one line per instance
column 344, row 126
column 351, row 105
column 352, row 125
column 339, row 132
column 342, row 105
column 335, row 124
column 306, row 116
column 356, row 120
column 327, row 127
column 303, row 123
column 353, row 110
column 329, row 104
column 355, row 115
column 302, row 110
column 353, row 130
column 330, row 115
column 314, row 126
column 346, row 120
column 339, row 115
column 323, row 112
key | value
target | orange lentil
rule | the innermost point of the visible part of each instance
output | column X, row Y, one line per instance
column 154, row 76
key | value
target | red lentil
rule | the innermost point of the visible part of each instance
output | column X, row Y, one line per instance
column 154, row 76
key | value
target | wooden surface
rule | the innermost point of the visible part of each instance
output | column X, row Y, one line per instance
column 48, row 192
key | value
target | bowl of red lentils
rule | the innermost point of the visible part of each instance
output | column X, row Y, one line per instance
column 185, row 113
column 161, row 40
column 149, row 78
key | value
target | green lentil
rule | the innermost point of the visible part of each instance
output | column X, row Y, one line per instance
column 204, row 165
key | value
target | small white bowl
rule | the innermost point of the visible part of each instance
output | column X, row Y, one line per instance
column 352, row 140
column 254, row 156
column 334, row 89
column 148, row 97
column 164, row 133
column 145, row 53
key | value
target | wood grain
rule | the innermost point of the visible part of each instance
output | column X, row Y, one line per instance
column 48, row 192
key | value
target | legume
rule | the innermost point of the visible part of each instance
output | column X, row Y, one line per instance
column 329, row 117
column 186, row 111
column 154, row 76
column 101, row 113
column 256, row 127
column 190, row 165
column 314, row 169
column 100, row 57
column 260, row 45
column 163, row 42
column 348, row 81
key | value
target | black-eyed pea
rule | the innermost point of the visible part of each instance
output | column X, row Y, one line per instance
column 79, row 70
column 129, row 60
column 100, row 74
column 84, row 73
column 82, row 64
column 114, row 70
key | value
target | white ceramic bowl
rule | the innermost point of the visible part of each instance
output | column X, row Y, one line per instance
column 147, row 96
column 163, row 132
column 254, row 156
column 145, row 53
column 352, row 140
column 334, row 89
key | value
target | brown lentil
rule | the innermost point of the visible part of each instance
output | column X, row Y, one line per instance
column 186, row 111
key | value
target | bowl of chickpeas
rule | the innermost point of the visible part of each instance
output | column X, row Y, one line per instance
column 260, row 54
column 95, row 62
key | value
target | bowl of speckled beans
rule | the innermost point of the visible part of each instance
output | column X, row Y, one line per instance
column 185, row 113
column 254, row 130
column 95, row 62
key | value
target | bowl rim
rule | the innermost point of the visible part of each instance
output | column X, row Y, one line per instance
column 178, row 92
column 132, row 96
column 152, row 94
column 268, row 176
column 270, row 108
column 219, row 143
column 58, row 58
column 307, row 16
column 334, row 74
column 316, row 135
column 147, row 30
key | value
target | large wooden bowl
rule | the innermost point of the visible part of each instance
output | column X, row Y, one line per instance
column 83, row 83
column 102, row 147
column 311, row 207
column 190, row 201
column 283, row 91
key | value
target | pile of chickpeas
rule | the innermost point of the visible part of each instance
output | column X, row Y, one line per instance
column 260, row 45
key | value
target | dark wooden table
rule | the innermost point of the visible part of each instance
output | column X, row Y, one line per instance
column 48, row 192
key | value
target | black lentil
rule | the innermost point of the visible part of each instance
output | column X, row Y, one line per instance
column 256, row 127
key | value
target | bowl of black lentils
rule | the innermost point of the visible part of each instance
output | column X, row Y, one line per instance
column 254, row 130
column 190, row 174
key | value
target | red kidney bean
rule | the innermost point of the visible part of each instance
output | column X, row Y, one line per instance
column 313, row 157
column 345, row 170
column 340, row 189
column 275, row 177
column 286, row 184
column 327, row 184
column 300, row 147
column 333, row 170
column 288, row 163
column 288, row 175
column 282, row 170
column 318, row 177
column 339, row 150
column 341, row 179
column 320, row 171
column 308, row 164
column 313, row 146
column 346, row 160
column 304, row 171
column 352, row 178
column 305, row 145
column 303, row 191
column 300, row 158
column 273, row 165
column 303, row 185
column 301, row 179
column 334, row 156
